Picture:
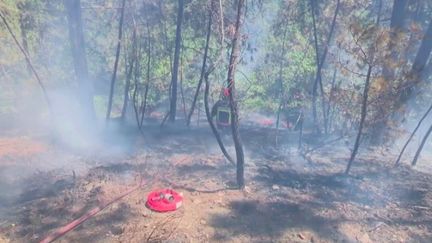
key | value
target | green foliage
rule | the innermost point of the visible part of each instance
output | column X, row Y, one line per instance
column 277, row 67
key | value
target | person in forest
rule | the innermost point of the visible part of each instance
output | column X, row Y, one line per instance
column 221, row 110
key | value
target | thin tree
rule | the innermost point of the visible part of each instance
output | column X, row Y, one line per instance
column 114, row 75
column 203, row 68
column 181, row 88
column 147, row 85
column 418, row 69
column 235, row 51
column 420, row 148
column 370, row 62
column 76, row 38
column 129, row 71
column 207, row 73
column 137, row 74
column 362, row 118
column 388, row 71
column 281, row 85
column 174, row 78
column 396, row 26
column 315, row 84
column 329, row 103
column 210, row 120
column 29, row 62
column 412, row 135
column 320, row 63
column 24, row 21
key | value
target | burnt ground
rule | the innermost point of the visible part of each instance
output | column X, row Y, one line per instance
column 288, row 198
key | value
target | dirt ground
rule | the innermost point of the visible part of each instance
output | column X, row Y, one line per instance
column 288, row 197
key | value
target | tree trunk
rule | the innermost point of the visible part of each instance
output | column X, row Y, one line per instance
column 113, row 79
column 323, row 58
column 396, row 26
column 315, row 84
column 23, row 20
column 320, row 64
column 76, row 37
column 173, row 102
column 134, row 98
column 126, row 92
column 424, row 51
column 412, row 135
column 281, row 86
column 232, row 93
column 329, row 103
column 210, row 120
column 132, row 62
column 147, row 86
column 417, row 72
column 181, row 89
column 300, row 140
column 362, row 119
column 203, row 67
column 423, row 142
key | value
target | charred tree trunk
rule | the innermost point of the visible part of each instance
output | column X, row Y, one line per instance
column 320, row 64
column 412, row 135
column 203, row 67
column 424, row 51
column 389, row 67
column 362, row 119
column 423, row 142
column 417, row 73
column 232, row 93
column 113, row 79
column 396, row 26
column 173, row 102
column 76, row 37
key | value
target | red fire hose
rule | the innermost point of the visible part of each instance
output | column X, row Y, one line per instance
column 72, row 225
column 164, row 200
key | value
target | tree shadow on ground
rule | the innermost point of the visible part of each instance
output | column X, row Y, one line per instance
column 328, row 188
column 270, row 221
column 37, row 186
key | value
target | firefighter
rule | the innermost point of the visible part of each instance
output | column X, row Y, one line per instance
column 221, row 110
